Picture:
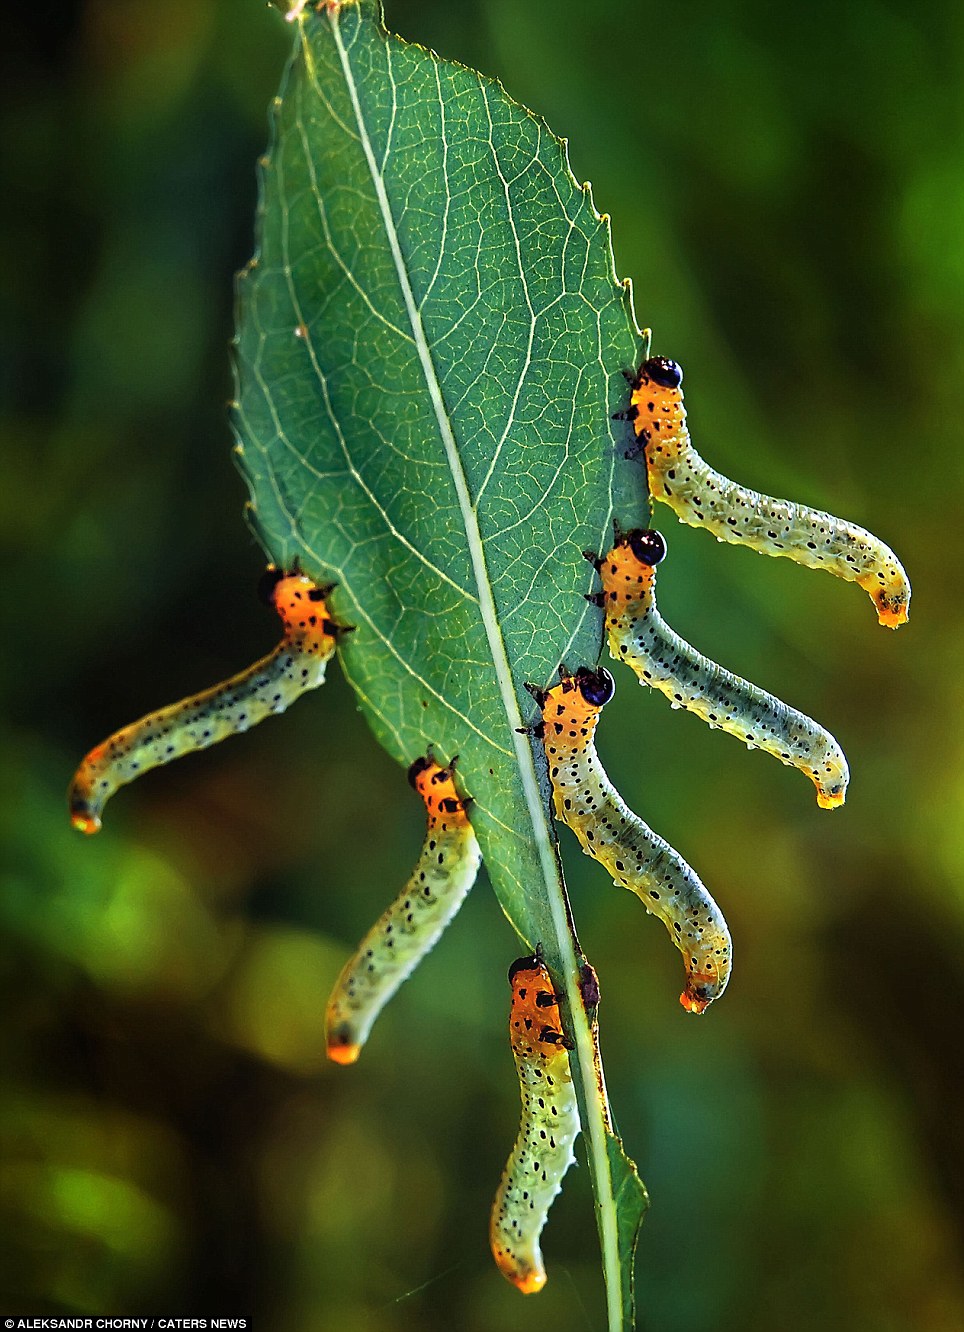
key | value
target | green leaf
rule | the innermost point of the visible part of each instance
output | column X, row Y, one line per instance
column 429, row 349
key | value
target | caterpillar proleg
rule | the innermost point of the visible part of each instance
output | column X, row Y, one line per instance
column 609, row 831
column 271, row 685
column 550, row 1123
column 639, row 636
column 413, row 924
column 703, row 497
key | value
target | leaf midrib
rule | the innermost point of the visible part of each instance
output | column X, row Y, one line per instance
column 585, row 1048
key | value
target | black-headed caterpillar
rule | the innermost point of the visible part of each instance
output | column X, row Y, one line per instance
column 639, row 636
column 412, row 925
column 271, row 685
column 703, row 497
column 550, row 1123
column 588, row 803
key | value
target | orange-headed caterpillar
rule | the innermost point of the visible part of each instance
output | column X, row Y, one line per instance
column 639, row 636
column 588, row 803
column 703, row 497
column 550, row 1123
column 413, row 924
column 271, row 685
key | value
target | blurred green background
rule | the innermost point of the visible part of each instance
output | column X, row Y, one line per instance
column 787, row 191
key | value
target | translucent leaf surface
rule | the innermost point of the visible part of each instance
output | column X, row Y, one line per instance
column 429, row 349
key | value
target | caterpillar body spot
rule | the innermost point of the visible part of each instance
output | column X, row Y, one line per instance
column 639, row 636
column 413, row 924
column 271, row 685
column 636, row 858
column 550, row 1123
column 702, row 497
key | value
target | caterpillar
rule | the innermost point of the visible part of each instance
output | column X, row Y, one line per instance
column 703, row 497
column 636, row 858
column 639, row 636
column 272, row 684
column 413, row 924
column 550, row 1123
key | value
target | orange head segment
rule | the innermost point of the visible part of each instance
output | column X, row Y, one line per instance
column 534, row 1017
column 301, row 604
column 628, row 572
column 577, row 699
column 657, row 398
column 436, row 786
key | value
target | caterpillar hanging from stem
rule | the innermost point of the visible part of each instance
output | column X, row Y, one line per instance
column 413, row 924
column 271, row 685
column 636, row 858
column 639, row 636
column 702, row 497
column 543, row 1151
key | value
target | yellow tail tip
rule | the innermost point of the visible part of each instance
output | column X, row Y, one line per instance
column 830, row 800
column 692, row 1004
column 343, row 1054
column 85, row 823
column 530, row 1283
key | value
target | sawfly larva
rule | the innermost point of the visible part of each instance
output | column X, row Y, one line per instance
column 636, row 858
column 271, row 685
column 703, row 497
column 639, row 636
column 550, row 1123
column 413, row 924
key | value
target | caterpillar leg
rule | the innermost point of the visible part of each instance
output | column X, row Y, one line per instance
column 271, row 685
column 635, row 857
column 413, row 924
column 702, row 497
column 550, row 1123
column 639, row 636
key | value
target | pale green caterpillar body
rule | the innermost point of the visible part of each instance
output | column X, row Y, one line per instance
column 639, row 636
column 270, row 686
column 543, row 1151
column 413, row 924
column 636, row 858
column 702, row 497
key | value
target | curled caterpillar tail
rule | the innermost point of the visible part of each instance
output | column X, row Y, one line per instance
column 636, row 858
column 639, row 636
column 702, row 497
column 296, row 665
column 550, row 1123
column 413, row 924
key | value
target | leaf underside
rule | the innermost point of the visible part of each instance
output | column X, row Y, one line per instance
column 429, row 349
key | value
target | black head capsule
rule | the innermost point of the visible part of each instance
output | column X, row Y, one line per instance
column 661, row 370
column 267, row 583
column 531, row 963
column 648, row 545
column 597, row 687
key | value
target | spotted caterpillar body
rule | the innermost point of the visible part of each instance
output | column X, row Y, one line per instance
column 635, row 857
column 413, row 924
column 703, row 497
column 271, row 685
column 550, row 1123
column 639, row 636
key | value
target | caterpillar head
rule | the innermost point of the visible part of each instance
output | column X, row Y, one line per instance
column 302, row 606
column 436, row 787
column 534, row 1020
column 657, row 399
column 629, row 570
